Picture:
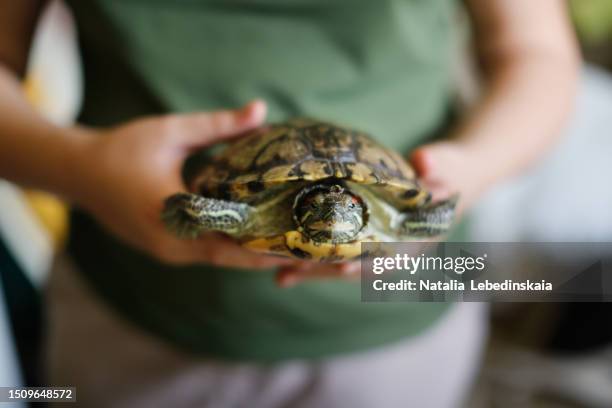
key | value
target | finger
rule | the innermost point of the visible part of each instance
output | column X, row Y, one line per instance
column 291, row 275
column 202, row 129
column 350, row 268
column 422, row 160
column 220, row 250
column 426, row 161
column 286, row 278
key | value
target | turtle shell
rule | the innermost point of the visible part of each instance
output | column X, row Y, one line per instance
column 306, row 150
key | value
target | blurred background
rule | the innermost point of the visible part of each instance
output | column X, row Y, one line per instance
column 539, row 355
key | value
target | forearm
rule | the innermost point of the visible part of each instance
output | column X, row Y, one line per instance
column 524, row 108
column 33, row 151
column 530, row 62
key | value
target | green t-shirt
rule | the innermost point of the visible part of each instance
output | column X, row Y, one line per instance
column 382, row 66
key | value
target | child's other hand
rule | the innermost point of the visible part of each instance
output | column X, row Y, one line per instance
column 446, row 168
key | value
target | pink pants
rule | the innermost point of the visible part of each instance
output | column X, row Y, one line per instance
column 115, row 364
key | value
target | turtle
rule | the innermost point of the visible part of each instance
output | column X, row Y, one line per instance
column 307, row 189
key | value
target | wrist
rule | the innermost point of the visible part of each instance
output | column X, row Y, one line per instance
column 76, row 162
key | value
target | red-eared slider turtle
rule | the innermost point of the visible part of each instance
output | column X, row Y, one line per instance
column 308, row 189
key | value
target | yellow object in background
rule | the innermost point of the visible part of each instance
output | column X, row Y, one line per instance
column 49, row 210
column 53, row 85
column 52, row 214
column 33, row 90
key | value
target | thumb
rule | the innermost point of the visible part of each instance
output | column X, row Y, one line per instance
column 422, row 159
column 206, row 128
column 440, row 168
column 429, row 160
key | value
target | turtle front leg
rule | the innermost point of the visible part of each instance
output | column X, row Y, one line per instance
column 431, row 220
column 189, row 215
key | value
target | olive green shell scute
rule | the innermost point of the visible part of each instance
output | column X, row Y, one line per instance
column 303, row 151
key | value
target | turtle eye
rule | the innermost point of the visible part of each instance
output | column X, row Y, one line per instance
column 354, row 202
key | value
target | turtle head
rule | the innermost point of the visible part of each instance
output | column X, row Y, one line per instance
column 329, row 213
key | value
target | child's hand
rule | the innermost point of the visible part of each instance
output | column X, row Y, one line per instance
column 126, row 173
column 446, row 168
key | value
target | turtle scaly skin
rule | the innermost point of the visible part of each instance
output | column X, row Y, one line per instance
column 188, row 215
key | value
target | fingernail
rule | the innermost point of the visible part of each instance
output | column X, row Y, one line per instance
column 255, row 110
column 288, row 281
column 349, row 269
column 422, row 162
